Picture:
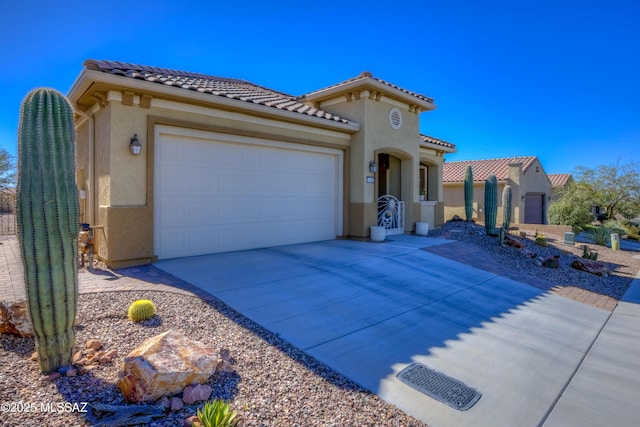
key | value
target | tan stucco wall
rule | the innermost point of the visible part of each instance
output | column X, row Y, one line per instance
column 377, row 136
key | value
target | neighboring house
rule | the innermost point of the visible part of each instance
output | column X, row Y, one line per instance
column 228, row 165
column 531, row 189
column 559, row 184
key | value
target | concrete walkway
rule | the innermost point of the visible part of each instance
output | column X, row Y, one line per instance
column 368, row 310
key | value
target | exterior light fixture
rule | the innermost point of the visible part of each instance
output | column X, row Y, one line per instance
column 373, row 167
column 135, row 146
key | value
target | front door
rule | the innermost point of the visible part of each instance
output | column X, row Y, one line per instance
column 390, row 207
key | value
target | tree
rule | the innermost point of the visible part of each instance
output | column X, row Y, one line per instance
column 615, row 188
column 572, row 209
column 7, row 169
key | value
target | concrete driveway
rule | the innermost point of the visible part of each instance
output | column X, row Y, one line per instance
column 368, row 310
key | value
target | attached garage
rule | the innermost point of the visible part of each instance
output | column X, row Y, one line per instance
column 216, row 192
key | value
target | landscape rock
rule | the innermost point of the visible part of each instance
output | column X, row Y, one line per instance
column 593, row 267
column 176, row 404
column 192, row 421
column 196, row 393
column 165, row 365
column 14, row 319
column 164, row 401
column 93, row 344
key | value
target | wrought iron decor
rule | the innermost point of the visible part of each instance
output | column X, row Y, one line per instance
column 391, row 214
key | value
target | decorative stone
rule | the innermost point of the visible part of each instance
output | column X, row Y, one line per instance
column 53, row 376
column 165, row 365
column 72, row 372
column 192, row 421
column 164, row 401
column 176, row 404
column 196, row 393
column 108, row 356
column 593, row 267
column 34, row 356
column 14, row 319
column 94, row 344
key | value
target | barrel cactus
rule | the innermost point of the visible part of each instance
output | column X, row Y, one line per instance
column 48, row 215
column 490, row 204
column 507, row 206
column 468, row 193
column 141, row 309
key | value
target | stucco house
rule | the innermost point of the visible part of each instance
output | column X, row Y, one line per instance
column 173, row 163
column 530, row 185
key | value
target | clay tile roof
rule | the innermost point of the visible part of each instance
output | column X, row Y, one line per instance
column 559, row 179
column 217, row 86
column 367, row 75
column 431, row 140
column 454, row 171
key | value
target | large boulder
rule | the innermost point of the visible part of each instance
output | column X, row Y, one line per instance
column 165, row 365
column 14, row 319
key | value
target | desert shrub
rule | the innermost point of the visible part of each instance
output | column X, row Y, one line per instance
column 601, row 235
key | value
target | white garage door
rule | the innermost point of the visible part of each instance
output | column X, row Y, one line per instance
column 219, row 193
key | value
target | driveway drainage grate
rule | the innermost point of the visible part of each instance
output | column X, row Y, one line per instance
column 439, row 386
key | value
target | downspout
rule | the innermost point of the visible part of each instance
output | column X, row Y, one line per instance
column 90, row 173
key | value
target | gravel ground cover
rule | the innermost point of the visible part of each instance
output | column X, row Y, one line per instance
column 624, row 265
column 274, row 384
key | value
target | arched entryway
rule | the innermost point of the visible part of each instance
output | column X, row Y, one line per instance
column 391, row 209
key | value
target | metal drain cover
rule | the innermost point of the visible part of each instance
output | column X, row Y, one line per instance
column 439, row 386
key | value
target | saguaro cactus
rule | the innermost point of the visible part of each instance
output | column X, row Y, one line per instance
column 490, row 204
column 507, row 195
column 48, row 222
column 468, row 193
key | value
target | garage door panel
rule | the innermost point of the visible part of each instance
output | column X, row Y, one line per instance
column 215, row 195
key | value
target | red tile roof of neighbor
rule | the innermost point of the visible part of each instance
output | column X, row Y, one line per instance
column 219, row 86
column 559, row 179
column 431, row 140
column 454, row 171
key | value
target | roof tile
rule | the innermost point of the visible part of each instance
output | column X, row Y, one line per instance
column 367, row 75
column 217, row 86
column 431, row 140
column 454, row 171
column 559, row 179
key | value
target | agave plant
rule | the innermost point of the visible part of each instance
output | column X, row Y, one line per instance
column 218, row 413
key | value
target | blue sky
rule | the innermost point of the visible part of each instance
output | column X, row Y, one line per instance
column 557, row 79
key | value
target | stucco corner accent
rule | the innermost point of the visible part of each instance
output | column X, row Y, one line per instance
column 127, row 97
column 145, row 100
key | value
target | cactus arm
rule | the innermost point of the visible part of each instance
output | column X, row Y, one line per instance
column 490, row 204
column 507, row 195
column 48, row 218
column 468, row 193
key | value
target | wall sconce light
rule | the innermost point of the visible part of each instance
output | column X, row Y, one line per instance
column 373, row 168
column 537, row 169
column 522, row 198
column 135, row 146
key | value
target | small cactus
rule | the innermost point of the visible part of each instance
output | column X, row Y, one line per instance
column 541, row 240
column 142, row 309
column 468, row 193
column 490, row 204
column 507, row 195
